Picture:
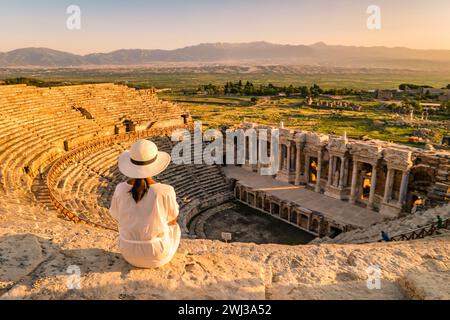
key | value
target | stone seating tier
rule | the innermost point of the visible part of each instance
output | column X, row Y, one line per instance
column 35, row 122
column 86, row 185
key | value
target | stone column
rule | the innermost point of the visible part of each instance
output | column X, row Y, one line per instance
column 373, row 184
column 330, row 170
column 388, row 186
column 319, row 170
column 280, row 157
column 288, row 157
column 342, row 175
column 297, row 165
column 354, row 182
column 403, row 188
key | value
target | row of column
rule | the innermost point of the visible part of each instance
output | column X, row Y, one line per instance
column 286, row 163
column 389, row 185
column 332, row 169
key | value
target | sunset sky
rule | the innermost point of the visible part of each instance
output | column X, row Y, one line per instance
column 115, row 24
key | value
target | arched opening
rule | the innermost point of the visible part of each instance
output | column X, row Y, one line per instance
column 267, row 205
column 303, row 221
column 366, row 181
column 244, row 196
column 129, row 125
column 313, row 170
column 259, row 202
column 275, row 209
column 293, row 217
column 315, row 226
column 421, row 181
column 251, row 199
column 285, row 214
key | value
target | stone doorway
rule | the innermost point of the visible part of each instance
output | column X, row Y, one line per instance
column 313, row 167
column 366, row 181
column 129, row 125
column 420, row 182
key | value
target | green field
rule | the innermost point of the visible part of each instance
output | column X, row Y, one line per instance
column 189, row 81
column 371, row 122
column 214, row 111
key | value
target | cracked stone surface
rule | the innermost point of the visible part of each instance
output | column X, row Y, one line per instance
column 37, row 248
column 19, row 255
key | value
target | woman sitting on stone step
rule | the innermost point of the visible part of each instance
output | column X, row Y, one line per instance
column 145, row 210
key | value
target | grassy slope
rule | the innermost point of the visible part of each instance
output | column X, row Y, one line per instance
column 214, row 111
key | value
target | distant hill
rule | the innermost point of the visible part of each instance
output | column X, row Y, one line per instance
column 39, row 57
column 318, row 54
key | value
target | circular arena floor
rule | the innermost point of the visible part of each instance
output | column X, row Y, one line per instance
column 249, row 225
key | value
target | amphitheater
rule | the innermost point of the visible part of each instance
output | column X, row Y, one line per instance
column 58, row 154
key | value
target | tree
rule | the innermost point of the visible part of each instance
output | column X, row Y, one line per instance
column 316, row 90
column 226, row 88
column 305, row 91
column 410, row 86
column 249, row 89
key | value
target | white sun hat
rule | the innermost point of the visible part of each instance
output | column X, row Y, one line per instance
column 143, row 160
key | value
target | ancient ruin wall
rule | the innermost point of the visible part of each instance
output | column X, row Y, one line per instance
column 388, row 178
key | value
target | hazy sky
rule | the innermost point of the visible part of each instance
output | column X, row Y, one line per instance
column 108, row 25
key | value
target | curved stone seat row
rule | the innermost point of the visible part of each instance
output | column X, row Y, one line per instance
column 37, row 125
column 82, row 182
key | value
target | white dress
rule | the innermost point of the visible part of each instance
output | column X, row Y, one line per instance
column 145, row 238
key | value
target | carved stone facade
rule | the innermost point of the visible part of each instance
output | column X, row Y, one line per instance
column 385, row 177
column 312, row 222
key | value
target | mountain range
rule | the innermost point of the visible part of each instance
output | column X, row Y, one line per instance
column 319, row 54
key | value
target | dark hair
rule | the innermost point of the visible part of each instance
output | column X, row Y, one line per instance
column 140, row 188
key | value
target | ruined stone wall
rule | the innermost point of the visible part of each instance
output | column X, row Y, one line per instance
column 37, row 125
column 388, row 178
column 430, row 176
